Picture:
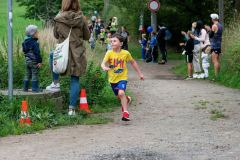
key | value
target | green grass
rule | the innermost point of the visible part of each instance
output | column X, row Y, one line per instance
column 19, row 22
column 216, row 114
column 227, row 76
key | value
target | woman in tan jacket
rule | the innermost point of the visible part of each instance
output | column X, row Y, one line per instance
column 69, row 17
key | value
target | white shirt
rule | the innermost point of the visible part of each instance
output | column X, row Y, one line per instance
column 203, row 38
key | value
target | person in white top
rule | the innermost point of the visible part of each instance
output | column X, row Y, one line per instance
column 203, row 38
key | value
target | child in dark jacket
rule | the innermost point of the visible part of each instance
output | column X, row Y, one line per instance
column 33, row 58
column 152, row 53
column 188, row 51
column 143, row 43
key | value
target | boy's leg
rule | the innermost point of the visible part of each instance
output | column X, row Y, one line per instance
column 123, row 98
column 27, row 77
column 205, row 69
column 35, row 73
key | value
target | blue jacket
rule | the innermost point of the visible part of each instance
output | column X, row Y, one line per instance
column 144, row 43
column 153, row 41
column 31, row 49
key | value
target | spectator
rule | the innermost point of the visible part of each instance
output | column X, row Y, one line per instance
column 33, row 58
column 69, row 17
column 125, row 34
column 215, row 33
column 162, row 43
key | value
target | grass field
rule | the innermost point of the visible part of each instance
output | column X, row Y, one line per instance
column 19, row 22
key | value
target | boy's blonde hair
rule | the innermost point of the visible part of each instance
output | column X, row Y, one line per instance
column 68, row 5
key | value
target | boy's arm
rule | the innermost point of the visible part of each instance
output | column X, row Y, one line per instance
column 36, row 51
column 104, row 67
column 137, row 69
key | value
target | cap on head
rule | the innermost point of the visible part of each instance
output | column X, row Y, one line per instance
column 31, row 30
column 214, row 16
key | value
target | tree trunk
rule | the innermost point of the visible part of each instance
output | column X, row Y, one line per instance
column 106, row 6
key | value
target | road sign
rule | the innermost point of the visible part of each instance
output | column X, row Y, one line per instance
column 154, row 5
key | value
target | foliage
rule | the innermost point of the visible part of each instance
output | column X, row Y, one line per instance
column 46, row 10
column 43, row 115
column 43, row 10
column 19, row 22
column 94, row 81
column 89, row 6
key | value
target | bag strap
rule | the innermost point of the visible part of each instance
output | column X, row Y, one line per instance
column 70, row 32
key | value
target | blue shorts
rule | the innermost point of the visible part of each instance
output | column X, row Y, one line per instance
column 121, row 85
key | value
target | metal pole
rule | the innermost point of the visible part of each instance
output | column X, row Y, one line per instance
column 10, row 51
column 221, row 11
column 154, row 21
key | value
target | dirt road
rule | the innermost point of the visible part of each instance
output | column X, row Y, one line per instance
column 170, row 121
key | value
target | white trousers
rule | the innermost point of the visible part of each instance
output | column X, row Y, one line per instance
column 196, row 58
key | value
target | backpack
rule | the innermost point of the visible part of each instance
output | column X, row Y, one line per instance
column 168, row 35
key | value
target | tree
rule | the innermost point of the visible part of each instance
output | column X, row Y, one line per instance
column 46, row 10
column 43, row 10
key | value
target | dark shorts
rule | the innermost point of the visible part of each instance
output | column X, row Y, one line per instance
column 121, row 85
column 189, row 58
column 216, row 51
column 102, row 39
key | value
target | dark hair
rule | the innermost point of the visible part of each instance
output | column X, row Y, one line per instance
column 199, row 27
column 118, row 36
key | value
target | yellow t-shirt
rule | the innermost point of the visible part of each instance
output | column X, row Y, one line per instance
column 118, row 65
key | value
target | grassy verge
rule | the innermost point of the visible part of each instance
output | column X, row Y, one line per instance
column 19, row 22
column 44, row 113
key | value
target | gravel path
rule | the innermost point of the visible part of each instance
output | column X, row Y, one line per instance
column 170, row 121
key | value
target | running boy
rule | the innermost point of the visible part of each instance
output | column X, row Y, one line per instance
column 115, row 62
column 33, row 58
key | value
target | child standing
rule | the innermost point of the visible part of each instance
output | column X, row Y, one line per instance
column 33, row 58
column 205, row 61
column 143, row 43
column 92, row 41
column 108, row 41
column 152, row 54
column 102, row 36
column 188, row 48
column 117, row 59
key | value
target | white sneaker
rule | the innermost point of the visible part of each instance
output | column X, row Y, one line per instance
column 71, row 112
column 195, row 75
column 53, row 87
column 201, row 76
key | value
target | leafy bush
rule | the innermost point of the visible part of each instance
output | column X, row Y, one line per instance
column 94, row 81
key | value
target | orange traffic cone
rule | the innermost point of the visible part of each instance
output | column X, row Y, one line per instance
column 83, row 101
column 24, row 114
